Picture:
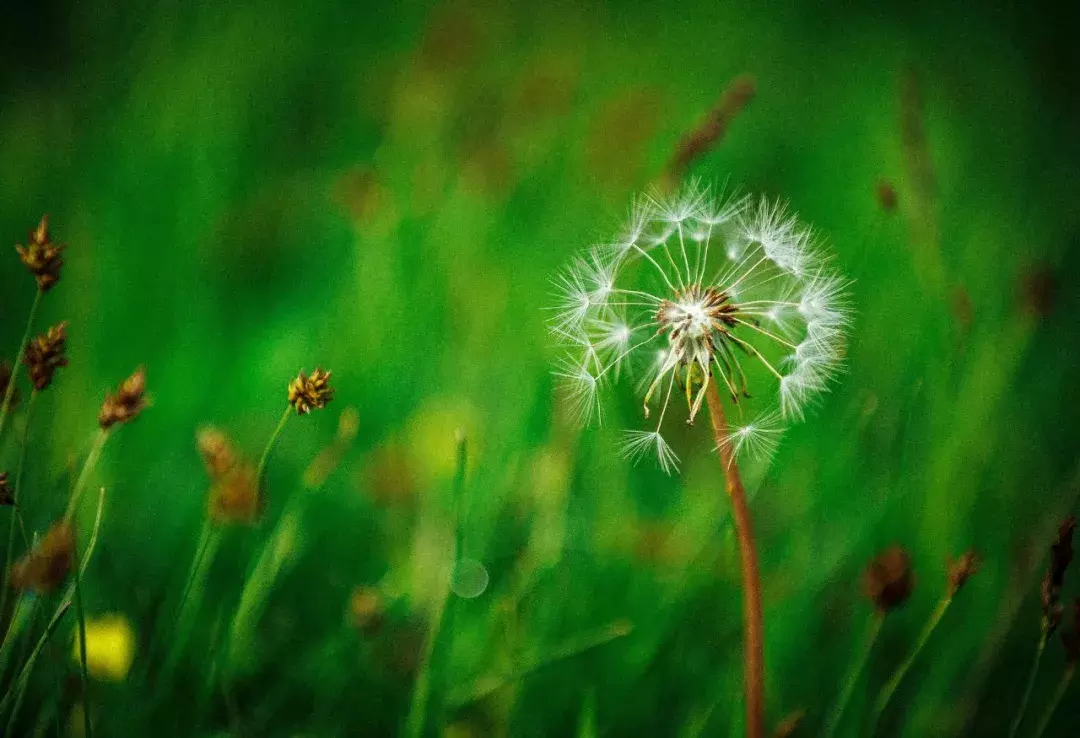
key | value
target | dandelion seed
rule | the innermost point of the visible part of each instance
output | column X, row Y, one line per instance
column 700, row 289
column 758, row 439
column 638, row 444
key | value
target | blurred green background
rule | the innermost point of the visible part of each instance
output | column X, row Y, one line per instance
column 386, row 191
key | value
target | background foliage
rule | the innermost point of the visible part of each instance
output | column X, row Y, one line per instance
column 251, row 189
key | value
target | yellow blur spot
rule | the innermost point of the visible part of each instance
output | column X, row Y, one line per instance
column 110, row 647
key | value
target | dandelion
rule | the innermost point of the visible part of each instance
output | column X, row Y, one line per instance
column 701, row 290
column 707, row 295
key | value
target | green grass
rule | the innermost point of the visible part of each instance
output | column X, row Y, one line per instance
column 386, row 192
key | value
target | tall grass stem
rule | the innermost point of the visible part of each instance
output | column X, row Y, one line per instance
column 10, row 391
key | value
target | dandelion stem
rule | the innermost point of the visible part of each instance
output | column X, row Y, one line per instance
column 15, row 514
column 856, row 670
column 80, row 617
column 753, row 647
column 270, row 446
column 10, row 391
column 1039, row 648
column 1059, row 692
column 890, row 687
column 91, row 461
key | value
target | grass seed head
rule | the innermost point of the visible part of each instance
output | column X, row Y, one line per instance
column 234, row 495
column 128, row 401
column 889, row 580
column 1061, row 554
column 47, row 565
column 367, row 610
column 45, row 354
column 309, row 393
column 962, row 570
column 42, row 257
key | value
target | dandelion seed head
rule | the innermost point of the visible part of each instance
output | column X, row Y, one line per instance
column 701, row 288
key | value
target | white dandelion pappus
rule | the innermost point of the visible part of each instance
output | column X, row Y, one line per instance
column 703, row 289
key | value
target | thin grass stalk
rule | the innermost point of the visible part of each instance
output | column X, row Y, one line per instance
column 209, row 542
column 10, row 391
column 15, row 514
column 418, row 707
column 1055, row 701
column 257, row 588
column 854, row 673
column 753, row 634
column 1039, row 648
column 80, row 616
column 261, row 469
column 485, row 686
column 88, row 467
column 16, row 693
column 66, row 602
column 891, row 686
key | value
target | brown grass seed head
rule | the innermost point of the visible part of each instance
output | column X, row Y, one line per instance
column 47, row 565
column 42, row 257
column 1061, row 554
column 367, row 610
column 127, row 403
column 308, row 393
column 962, row 570
column 234, row 496
column 45, row 354
column 889, row 580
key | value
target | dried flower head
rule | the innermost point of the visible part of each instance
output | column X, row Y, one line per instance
column 367, row 610
column 47, row 565
column 127, row 403
column 7, row 494
column 962, row 570
column 217, row 450
column 45, row 354
column 889, row 580
column 5, row 379
column 42, row 257
column 308, row 393
column 1061, row 554
column 696, row 290
column 234, row 495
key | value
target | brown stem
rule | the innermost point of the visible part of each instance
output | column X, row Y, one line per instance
column 753, row 649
